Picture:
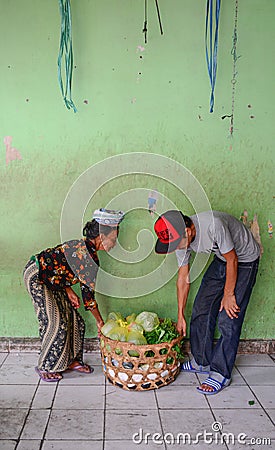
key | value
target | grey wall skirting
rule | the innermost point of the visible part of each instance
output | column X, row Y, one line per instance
column 92, row 344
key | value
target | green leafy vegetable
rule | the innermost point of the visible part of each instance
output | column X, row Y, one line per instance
column 164, row 332
column 148, row 320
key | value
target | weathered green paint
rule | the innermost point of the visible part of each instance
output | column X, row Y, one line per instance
column 166, row 111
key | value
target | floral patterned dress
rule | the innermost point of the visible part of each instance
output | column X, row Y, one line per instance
column 73, row 262
column 61, row 327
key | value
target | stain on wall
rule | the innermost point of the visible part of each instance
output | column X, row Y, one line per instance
column 11, row 152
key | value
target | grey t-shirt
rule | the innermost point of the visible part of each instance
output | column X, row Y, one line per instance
column 218, row 232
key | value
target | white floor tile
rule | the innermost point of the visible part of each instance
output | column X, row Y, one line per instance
column 233, row 397
column 117, row 397
column 17, row 374
column 76, row 378
column 16, row 396
column 271, row 413
column 270, row 444
column 266, row 395
column 11, row 423
column 29, row 445
column 130, row 445
column 92, row 358
column 75, row 425
column 29, row 359
column 123, row 424
column 7, row 444
column 3, row 357
column 180, row 397
column 79, row 397
column 44, row 396
column 185, row 379
column 72, row 445
column 258, row 375
column 254, row 360
column 186, row 421
column 252, row 422
column 35, row 424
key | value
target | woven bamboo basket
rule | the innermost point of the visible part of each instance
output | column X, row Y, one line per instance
column 130, row 367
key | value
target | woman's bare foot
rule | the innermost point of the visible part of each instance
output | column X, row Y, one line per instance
column 80, row 367
column 48, row 376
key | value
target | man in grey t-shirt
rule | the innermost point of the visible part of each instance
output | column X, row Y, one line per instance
column 224, row 292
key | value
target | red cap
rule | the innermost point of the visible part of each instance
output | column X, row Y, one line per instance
column 170, row 229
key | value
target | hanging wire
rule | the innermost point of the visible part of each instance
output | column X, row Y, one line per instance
column 145, row 29
column 66, row 54
column 211, row 53
column 145, row 21
column 234, row 74
column 159, row 18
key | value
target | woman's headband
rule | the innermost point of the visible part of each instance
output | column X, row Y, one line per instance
column 108, row 217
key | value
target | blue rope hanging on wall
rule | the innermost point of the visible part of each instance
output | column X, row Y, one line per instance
column 66, row 53
column 211, row 45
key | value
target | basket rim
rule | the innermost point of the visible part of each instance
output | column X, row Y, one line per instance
column 142, row 346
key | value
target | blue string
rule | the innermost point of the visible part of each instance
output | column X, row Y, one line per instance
column 66, row 53
column 211, row 53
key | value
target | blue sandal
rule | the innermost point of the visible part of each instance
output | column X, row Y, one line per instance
column 217, row 386
column 187, row 367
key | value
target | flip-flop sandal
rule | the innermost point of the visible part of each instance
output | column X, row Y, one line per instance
column 78, row 368
column 187, row 367
column 217, row 386
column 42, row 375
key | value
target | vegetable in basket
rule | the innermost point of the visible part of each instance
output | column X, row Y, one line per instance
column 164, row 332
column 115, row 316
column 118, row 334
column 131, row 318
column 108, row 326
column 145, row 328
column 135, row 338
column 148, row 320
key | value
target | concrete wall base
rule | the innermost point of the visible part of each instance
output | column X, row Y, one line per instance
column 92, row 345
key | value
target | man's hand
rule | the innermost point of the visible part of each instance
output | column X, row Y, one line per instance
column 183, row 286
column 73, row 297
column 230, row 305
column 181, row 326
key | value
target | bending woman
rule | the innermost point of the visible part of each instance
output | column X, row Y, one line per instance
column 48, row 277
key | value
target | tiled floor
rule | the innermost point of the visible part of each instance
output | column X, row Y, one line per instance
column 84, row 412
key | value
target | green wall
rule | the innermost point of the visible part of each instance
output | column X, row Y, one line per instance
column 155, row 104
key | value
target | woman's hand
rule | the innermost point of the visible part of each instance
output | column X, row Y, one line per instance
column 98, row 318
column 73, row 297
column 99, row 325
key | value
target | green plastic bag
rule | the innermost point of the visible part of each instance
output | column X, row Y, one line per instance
column 131, row 318
column 108, row 326
column 118, row 334
column 133, row 326
column 115, row 316
column 136, row 338
column 148, row 320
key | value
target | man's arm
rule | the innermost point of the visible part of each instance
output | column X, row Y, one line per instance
column 183, row 287
column 229, row 300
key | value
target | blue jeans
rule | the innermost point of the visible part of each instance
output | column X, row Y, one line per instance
column 220, row 359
